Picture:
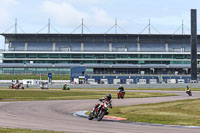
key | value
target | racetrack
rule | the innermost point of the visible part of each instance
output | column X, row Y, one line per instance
column 57, row 116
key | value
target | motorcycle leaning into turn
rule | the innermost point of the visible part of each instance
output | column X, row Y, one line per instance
column 189, row 92
column 100, row 110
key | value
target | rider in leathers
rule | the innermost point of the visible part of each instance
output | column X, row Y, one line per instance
column 106, row 99
column 121, row 89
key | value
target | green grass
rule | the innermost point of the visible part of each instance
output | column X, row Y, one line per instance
column 184, row 112
column 164, row 89
column 8, row 130
column 24, row 95
column 31, row 76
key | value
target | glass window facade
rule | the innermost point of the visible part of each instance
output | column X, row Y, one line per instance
column 106, row 58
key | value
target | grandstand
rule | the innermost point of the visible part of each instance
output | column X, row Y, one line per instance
column 106, row 57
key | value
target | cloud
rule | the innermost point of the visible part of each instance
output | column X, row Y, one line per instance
column 8, row 2
column 165, row 24
column 5, row 12
column 99, row 17
column 65, row 14
column 4, row 16
column 89, row 1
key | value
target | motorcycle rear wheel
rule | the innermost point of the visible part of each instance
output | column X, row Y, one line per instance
column 101, row 116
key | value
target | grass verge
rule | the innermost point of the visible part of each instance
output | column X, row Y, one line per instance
column 164, row 89
column 25, row 95
column 184, row 112
column 9, row 130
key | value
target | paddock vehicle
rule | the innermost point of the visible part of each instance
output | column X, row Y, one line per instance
column 120, row 94
column 44, row 85
column 100, row 110
column 189, row 92
column 16, row 86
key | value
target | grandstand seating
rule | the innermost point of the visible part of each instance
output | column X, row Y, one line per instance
column 96, row 47
column 39, row 46
column 178, row 47
column 124, row 47
column 198, row 47
column 152, row 47
column 61, row 46
column 17, row 46
column 102, row 47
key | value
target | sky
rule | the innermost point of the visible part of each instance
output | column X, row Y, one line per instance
column 98, row 16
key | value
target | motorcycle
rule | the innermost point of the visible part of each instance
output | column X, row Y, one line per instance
column 66, row 87
column 100, row 110
column 120, row 94
column 189, row 92
column 16, row 86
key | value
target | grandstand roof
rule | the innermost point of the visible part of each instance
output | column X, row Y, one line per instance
column 9, row 37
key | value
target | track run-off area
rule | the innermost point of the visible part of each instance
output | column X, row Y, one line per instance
column 57, row 115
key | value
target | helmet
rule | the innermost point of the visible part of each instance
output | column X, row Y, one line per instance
column 108, row 96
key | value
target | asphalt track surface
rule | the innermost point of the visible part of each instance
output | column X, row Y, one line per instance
column 57, row 116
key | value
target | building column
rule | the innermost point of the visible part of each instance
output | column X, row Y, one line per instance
column 138, row 47
column 54, row 46
column 166, row 47
column 25, row 46
column 110, row 47
column 9, row 46
column 82, row 47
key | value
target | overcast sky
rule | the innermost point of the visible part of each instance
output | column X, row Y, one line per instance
column 99, row 15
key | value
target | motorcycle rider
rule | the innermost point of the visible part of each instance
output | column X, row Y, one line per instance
column 188, row 90
column 66, row 87
column 107, row 99
column 121, row 89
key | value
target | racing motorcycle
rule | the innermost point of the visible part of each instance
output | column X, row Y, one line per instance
column 189, row 92
column 120, row 94
column 100, row 110
column 17, row 86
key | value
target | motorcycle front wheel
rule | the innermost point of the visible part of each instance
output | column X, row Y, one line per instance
column 91, row 116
